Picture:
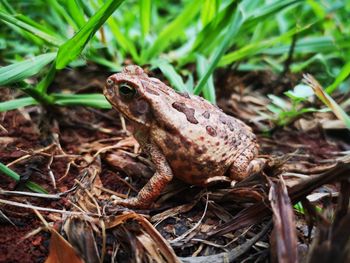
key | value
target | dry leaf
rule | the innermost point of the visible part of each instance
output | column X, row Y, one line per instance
column 61, row 251
column 284, row 237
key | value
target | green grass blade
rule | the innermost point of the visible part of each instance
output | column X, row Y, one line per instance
column 24, row 69
column 17, row 103
column 170, row 73
column 173, row 30
column 208, row 89
column 29, row 28
column 126, row 44
column 90, row 100
column 320, row 59
column 10, row 173
column 44, row 28
column 254, row 48
column 343, row 74
column 35, row 187
column 209, row 10
column 235, row 25
column 212, row 30
column 74, row 46
column 312, row 44
column 15, row 176
column 267, row 10
column 63, row 12
column 47, row 80
column 76, row 12
column 145, row 7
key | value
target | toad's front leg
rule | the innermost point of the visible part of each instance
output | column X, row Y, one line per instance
column 150, row 192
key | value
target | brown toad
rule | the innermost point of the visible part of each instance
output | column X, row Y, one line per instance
column 185, row 135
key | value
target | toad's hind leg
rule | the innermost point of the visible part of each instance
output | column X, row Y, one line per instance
column 150, row 192
column 245, row 164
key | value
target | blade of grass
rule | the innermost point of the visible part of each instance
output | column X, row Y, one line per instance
column 63, row 12
column 326, row 99
column 76, row 12
column 45, row 28
column 145, row 7
column 126, row 45
column 254, row 48
column 17, row 103
column 208, row 89
column 15, row 176
column 236, row 23
column 209, row 10
column 172, row 30
column 27, row 68
column 241, row 20
column 319, row 44
column 343, row 74
column 74, row 46
column 210, row 32
column 31, row 29
column 90, row 100
column 170, row 73
column 320, row 59
column 46, row 81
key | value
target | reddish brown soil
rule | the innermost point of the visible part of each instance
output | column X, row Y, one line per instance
column 74, row 128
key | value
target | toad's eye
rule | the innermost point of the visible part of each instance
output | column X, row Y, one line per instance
column 126, row 91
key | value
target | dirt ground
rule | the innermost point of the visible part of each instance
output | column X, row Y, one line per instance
column 86, row 156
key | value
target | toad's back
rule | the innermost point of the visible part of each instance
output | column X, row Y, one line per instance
column 197, row 138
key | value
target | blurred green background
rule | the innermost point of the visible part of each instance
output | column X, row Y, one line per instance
column 39, row 38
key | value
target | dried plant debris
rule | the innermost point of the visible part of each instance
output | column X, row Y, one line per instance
column 84, row 167
column 283, row 238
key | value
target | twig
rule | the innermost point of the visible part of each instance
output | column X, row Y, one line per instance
column 195, row 226
column 49, row 196
column 52, row 176
column 18, row 204
column 231, row 256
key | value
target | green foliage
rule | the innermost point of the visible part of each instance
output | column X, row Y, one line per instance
column 24, row 69
column 285, row 111
column 72, row 48
column 43, row 37
column 15, row 176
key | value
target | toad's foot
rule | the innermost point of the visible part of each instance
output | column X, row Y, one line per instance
column 238, row 173
column 151, row 191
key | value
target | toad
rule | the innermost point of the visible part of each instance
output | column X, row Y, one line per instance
column 185, row 135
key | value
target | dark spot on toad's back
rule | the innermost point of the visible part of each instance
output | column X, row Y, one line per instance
column 200, row 149
column 189, row 112
column 184, row 94
column 206, row 114
column 211, row 131
column 223, row 119
column 231, row 126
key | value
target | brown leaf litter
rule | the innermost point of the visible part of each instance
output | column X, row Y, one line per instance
column 88, row 158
